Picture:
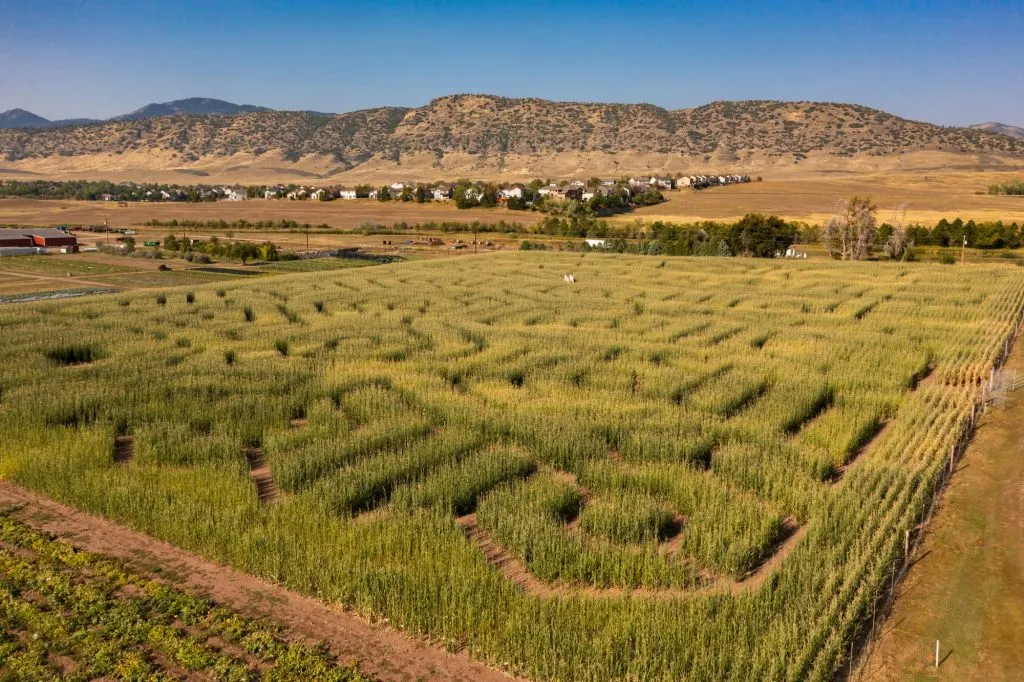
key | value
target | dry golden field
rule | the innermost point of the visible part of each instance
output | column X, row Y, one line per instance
column 928, row 197
column 337, row 214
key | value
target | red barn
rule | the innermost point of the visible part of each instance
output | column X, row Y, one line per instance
column 50, row 238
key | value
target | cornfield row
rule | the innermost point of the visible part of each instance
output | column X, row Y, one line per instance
column 658, row 429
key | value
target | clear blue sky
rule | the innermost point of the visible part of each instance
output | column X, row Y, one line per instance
column 945, row 62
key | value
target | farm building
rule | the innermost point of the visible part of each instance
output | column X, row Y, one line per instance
column 49, row 238
column 14, row 240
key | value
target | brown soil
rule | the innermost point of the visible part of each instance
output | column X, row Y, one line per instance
column 124, row 449
column 384, row 653
column 260, row 474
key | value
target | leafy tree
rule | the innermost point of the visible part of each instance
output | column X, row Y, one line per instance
column 384, row 194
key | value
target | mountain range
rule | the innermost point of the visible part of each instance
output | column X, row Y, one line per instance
column 488, row 135
column 19, row 118
column 1001, row 128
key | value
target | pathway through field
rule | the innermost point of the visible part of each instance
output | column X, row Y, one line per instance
column 386, row 654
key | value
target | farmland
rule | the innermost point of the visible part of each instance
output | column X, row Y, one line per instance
column 76, row 615
column 699, row 468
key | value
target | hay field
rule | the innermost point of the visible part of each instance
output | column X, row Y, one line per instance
column 928, row 198
column 677, row 468
column 337, row 214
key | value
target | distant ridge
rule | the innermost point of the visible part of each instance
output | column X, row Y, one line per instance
column 19, row 118
column 200, row 106
column 1001, row 128
column 488, row 135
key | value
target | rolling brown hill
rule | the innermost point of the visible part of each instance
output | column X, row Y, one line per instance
column 484, row 136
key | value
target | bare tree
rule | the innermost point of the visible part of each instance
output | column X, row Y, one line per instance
column 850, row 233
column 898, row 243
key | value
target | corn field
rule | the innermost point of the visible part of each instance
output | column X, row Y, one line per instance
column 709, row 465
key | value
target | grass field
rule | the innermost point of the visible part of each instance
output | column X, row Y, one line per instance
column 343, row 215
column 927, row 196
column 677, row 468
column 74, row 615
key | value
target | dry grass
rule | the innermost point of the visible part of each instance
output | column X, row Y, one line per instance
column 337, row 214
column 928, row 198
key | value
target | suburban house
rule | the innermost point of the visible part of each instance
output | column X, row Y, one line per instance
column 297, row 194
column 397, row 188
column 510, row 192
column 661, row 182
column 347, row 194
column 441, row 193
column 271, row 194
column 318, row 195
column 234, row 194
column 573, row 193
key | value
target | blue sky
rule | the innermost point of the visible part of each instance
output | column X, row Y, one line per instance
column 946, row 62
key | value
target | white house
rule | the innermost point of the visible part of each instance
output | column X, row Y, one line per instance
column 271, row 194
column 318, row 195
column 441, row 193
column 397, row 188
column 510, row 192
column 596, row 243
column 577, row 183
column 661, row 182
column 297, row 194
column 684, row 181
column 588, row 195
column 234, row 194
column 471, row 193
column 347, row 194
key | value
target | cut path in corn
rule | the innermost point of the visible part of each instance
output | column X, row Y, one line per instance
column 384, row 653
column 517, row 572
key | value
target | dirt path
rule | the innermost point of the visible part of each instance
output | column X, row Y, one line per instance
column 516, row 571
column 386, row 654
column 966, row 588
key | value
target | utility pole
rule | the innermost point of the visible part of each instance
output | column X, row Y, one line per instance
column 963, row 251
column 476, row 242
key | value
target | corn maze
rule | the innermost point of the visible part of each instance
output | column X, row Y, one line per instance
column 691, row 468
